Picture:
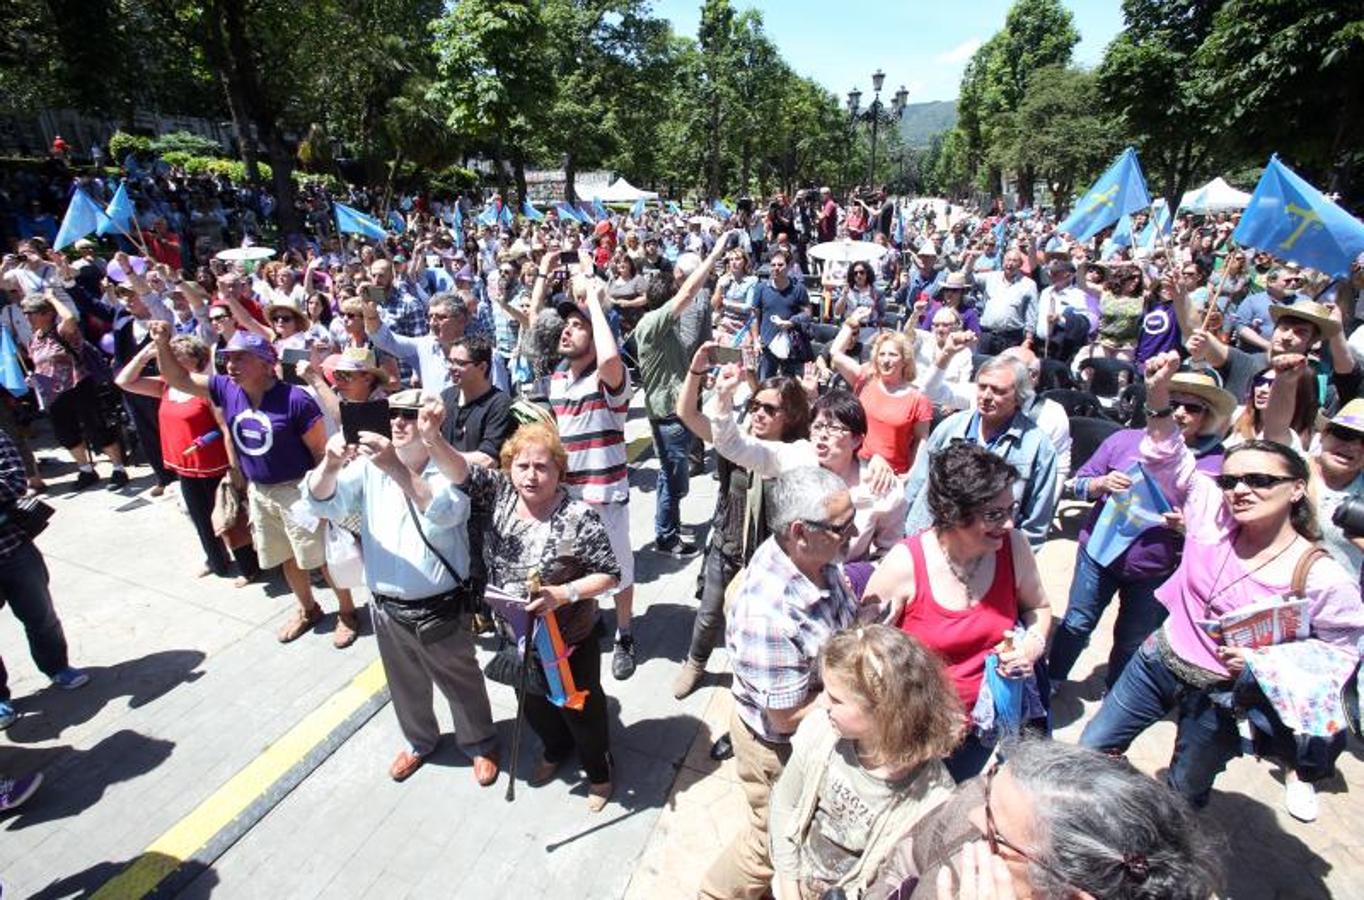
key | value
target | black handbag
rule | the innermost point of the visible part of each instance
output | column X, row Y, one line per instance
column 505, row 668
column 431, row 622
column 30, row 515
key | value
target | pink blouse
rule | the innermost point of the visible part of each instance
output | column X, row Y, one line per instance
column 1210, row 568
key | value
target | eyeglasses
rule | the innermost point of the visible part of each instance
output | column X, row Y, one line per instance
column 771, row 409
column 403, row 412
column 997, row 840
column 844, row 530
column 1193, row 409
column 458, row 363
column 218, row 318
column 1256, row 481
column 999, row 515
column 833, row 428
column 437, row 317
column 1340, row 433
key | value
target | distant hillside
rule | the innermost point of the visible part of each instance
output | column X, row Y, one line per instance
column 923, row 120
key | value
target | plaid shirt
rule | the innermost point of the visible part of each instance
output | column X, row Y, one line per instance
column 404, row 312
column 13, row 485
column 779, row 623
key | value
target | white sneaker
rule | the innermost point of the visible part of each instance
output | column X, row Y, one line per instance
column 1300, row 798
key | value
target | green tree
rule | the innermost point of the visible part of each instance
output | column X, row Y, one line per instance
column 1152, row 81
column 1291, row 61
column 1059, row 131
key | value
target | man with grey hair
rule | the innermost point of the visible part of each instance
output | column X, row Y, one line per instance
column 794, row 598
column 427, row 354
column 1003, row 390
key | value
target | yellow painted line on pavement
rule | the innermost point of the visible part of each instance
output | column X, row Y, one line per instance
column 215, row 815
column 635, row 449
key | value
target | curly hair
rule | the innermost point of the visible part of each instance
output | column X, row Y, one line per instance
column 962, row 478
column 534, row 434
column 908, row 369
column 541, row 346
column 918, row 715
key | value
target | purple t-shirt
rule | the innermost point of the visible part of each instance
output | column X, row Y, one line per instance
column 268, row 438
column 1155, row 553
column 1159, row 333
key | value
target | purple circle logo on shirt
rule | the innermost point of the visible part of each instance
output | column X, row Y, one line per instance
column 252, row 432
column 1157, row 321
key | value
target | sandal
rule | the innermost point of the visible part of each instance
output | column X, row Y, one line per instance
column 301, row 623
column 347, row 630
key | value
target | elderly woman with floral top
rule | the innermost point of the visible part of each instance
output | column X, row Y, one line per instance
column 538, row 534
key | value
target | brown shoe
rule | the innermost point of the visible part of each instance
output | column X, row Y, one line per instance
column 300, row 624
column 688, row 678
column 404, row 764
column 598, row 795
column 485, row 769
column 543, row 773
column 347, row 629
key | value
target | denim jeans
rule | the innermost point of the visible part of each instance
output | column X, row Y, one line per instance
column 1206, row 736
column 672, row 446
column 1091, row 590
column 23, row 585
column 770, row 366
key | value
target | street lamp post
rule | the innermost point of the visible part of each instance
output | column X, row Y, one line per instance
column 876, row 112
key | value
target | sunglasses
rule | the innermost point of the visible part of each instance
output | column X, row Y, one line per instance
column 1256, row 481
column 771, row 409
column 1341, row 433
column 1193, row 409
column 403, row 412
column 844, row 530
column 218, row 318
column 1262, row 381
column 283, row 317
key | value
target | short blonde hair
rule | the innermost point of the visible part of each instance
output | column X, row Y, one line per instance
column 353, row 306
column 191, row 346
column 907, row 368
column 534, row 434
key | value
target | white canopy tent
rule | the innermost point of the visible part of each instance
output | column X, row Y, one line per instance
column 1215, row 196
column 624, row 192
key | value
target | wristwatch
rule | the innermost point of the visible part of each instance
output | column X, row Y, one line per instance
column 1161, row 413
column 573, row 595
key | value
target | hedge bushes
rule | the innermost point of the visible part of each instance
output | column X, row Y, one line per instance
column 186, row 143
column 122, row 143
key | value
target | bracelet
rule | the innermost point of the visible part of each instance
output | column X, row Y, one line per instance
column 694, row 372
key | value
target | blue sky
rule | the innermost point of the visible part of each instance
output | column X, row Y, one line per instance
column 922, row 44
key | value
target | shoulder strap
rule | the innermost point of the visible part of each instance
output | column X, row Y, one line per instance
column 1309, row 556
column 416, row 520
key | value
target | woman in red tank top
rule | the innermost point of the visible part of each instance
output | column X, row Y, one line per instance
column 193, row 446
column 963, row 584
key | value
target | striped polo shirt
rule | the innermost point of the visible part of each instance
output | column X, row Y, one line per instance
column 592, row 428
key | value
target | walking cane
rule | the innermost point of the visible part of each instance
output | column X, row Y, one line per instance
column 532, row 587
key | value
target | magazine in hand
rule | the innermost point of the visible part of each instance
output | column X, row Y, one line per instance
column 1273, row 621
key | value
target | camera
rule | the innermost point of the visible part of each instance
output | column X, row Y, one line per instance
column 1349, row 516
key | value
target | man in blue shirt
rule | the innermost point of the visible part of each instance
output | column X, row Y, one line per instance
column 1003, row 389
column 778, row 301
column 414, row 528
column 1252, row 315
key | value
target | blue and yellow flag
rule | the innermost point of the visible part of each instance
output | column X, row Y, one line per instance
column 1126, row 515
column 531, row 212
column 1120, row 190
column 599, row 210
column 350, row 220
column 637, row 211
column 395, row 221
column 83, row 216
column 1158, row 225
column 119, row 213
column 1291, row 219
column 11, row 372
column 721, row 210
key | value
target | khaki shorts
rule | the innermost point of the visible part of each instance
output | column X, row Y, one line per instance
column 274, row 533
column 616, row 518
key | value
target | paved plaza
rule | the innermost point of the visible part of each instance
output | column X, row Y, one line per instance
column 263, row 768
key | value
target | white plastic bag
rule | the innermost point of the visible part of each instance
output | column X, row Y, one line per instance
column 344, row 560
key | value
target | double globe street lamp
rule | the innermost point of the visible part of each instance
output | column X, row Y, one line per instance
column 876, row 113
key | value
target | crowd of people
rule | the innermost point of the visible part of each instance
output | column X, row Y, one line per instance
column 898, row 396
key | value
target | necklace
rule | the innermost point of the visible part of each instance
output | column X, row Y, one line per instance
column 964, row 574
column 1231, row 549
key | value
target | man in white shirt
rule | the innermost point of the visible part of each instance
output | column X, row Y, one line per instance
column 1064, row 319
column 1009, row 316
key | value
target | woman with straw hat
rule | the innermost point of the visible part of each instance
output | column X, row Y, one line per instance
column 1200, row 410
